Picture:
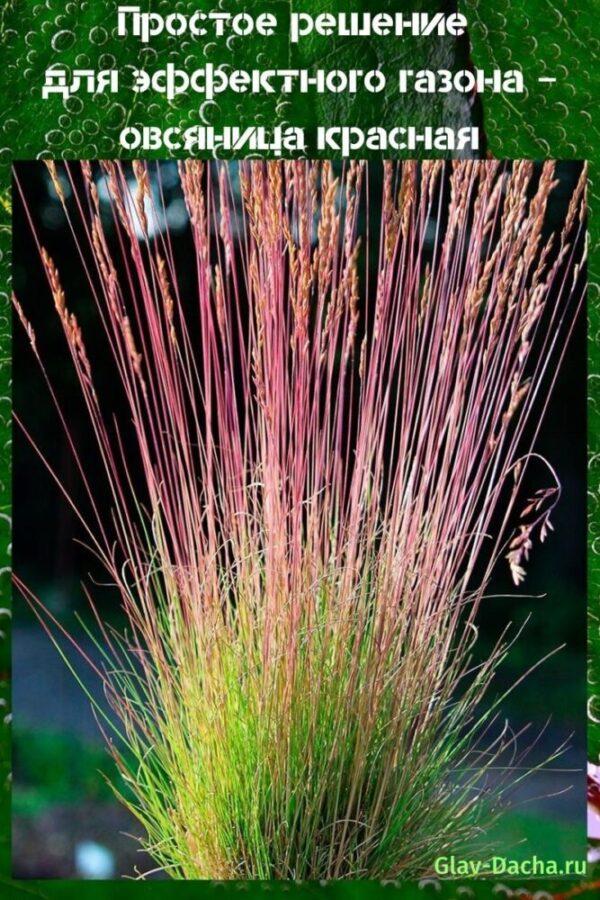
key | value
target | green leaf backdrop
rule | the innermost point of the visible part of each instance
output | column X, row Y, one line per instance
column 553, row 37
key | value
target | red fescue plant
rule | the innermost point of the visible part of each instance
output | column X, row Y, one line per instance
column 331, row 432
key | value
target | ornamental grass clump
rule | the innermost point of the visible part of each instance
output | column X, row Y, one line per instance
column 319, row 469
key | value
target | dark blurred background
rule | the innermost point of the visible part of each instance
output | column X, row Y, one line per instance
column 65, row 820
